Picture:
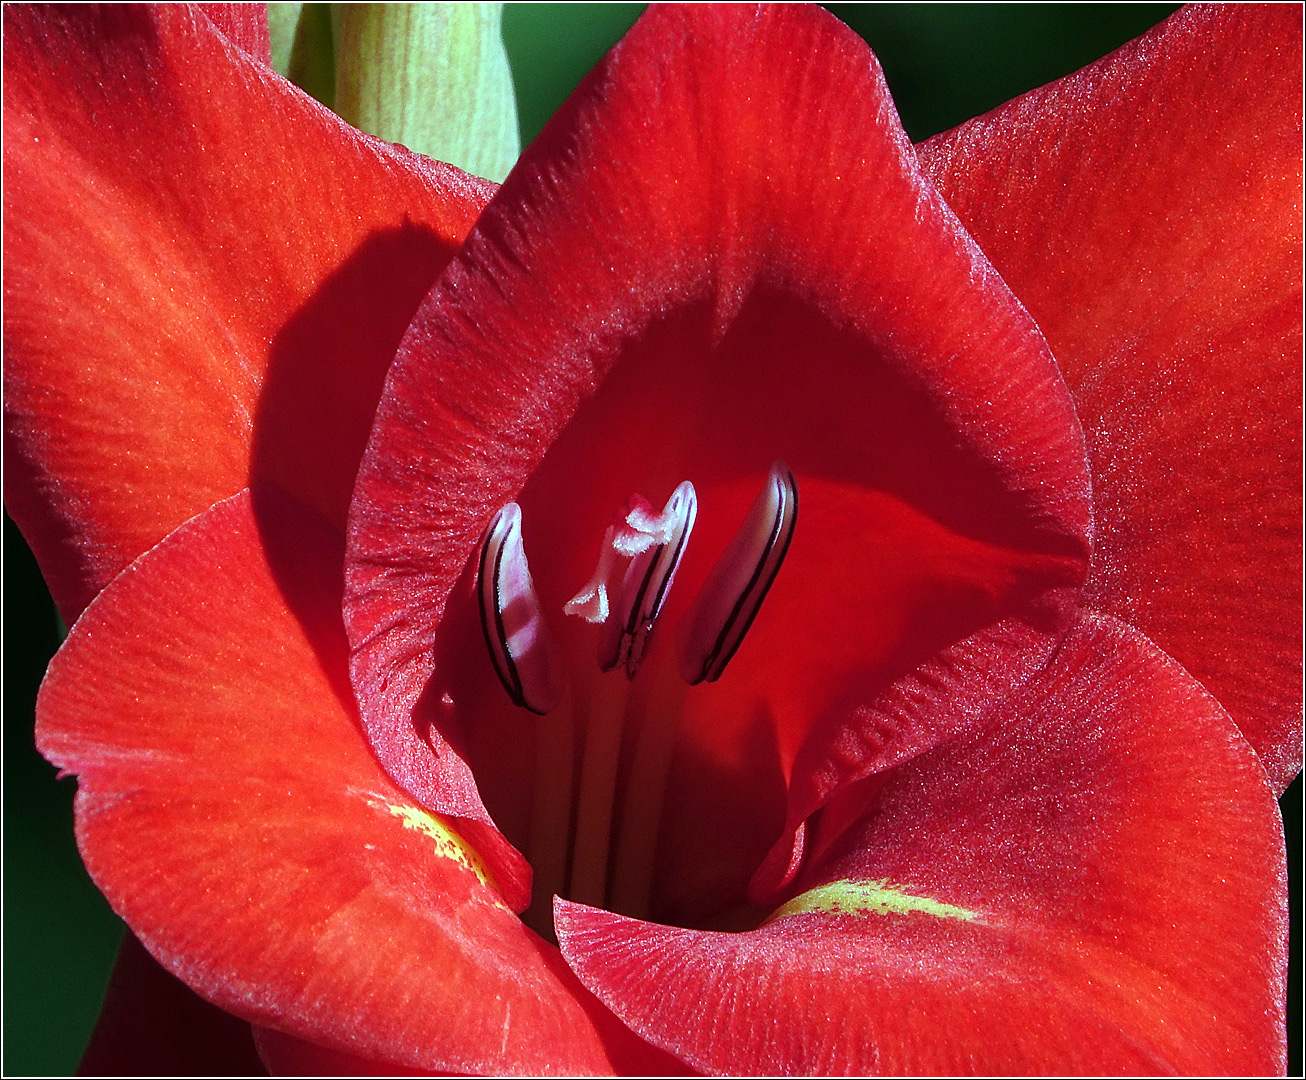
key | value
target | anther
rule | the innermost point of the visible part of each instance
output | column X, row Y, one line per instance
column 520, row 648
column 647, row 579
column 730, row 599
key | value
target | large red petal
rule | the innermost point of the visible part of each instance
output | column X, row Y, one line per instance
column 231, row 812
column 245, row 25
column 1089, row 881
column 1148, row 212
column 719, row 253
column 206, row 275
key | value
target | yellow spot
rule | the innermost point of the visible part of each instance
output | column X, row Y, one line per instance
column 864, row 898
column 448, row 844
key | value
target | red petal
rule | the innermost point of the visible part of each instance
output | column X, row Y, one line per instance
column 1147, row 210
column 668, row 288
column 245, row 25
column 841, row 762
column 232, row 814
column 152, row 1024
column 206, row 275
column 1091, row 880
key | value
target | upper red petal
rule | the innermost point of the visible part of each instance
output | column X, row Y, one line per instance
column 1090, row 880
column 719, row 253
column 206, row 275
column 230, row 811
column 1148, row 212
column 245, row 25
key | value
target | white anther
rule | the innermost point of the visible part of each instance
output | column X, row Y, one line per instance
column 518, row 640
column 646, row 581
column 731, row 597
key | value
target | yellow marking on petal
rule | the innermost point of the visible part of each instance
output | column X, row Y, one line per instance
column 865, row 898
column 448, row 843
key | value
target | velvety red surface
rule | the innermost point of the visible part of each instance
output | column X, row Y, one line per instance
column 229, row 809
column 1178, row 329
column 699, row 268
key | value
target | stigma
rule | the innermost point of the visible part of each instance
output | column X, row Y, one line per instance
column 655, row 544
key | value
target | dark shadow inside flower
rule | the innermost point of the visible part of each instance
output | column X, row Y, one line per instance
column 313, row 601
column 721, row 816
column 328, row 364
column 325, row 373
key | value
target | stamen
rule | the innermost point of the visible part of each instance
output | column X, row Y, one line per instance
column 518, row 641
column 647, row 579
column 731, row 597
column 598, row 784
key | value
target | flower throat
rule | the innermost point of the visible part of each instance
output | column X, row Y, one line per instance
column 571, row 845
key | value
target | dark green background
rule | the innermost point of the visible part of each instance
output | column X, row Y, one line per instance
column 944, row 63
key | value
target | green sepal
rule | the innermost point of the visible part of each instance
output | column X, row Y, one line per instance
column 283, row 21
column 434, row 77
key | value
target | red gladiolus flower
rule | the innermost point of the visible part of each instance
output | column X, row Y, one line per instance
column 871, row 767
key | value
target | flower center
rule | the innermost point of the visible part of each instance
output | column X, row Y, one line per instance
column 572, row 847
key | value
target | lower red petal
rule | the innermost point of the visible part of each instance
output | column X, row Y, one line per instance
column 232, row 814
column 1090, row 880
